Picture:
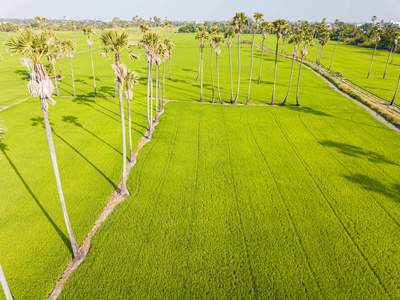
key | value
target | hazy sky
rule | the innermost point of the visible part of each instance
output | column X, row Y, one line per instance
column 311, row 10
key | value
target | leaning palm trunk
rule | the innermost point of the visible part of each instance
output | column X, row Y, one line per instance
column 212, row 78
column 290, row 80
column 91, row 58
column 230, row 65
column 237, row 93
column 128, row 96
column 262, row 53
column 55, row 78
column 201, row 76
column 218, row 52
column 251, row 67
column 370, row 66
column 333, row 54
column 395, row 94
column 276, row 66
column 394, row 52
column 303, row 53
column 4, row 285
column 198, row 73
column 69, row 55
column 387, row 62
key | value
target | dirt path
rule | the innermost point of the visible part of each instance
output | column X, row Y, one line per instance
column 15, row 103
column 115, row 199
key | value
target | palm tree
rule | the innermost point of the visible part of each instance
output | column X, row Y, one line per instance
column 323, row 40
column 70, row 48
column 395, row 94
column 73, row 23
column 89, row 32
column 279, row 25
column 213, row 31
column 256, row 25
column 52, row 60
column 306, row 37
column 266, row 28
column 217, row 41
column 337, row 25
column 374, row 18
column 378, row 33
column 170, row 46
column 160, row 49
column 35, row 45
column 396, row 41
column 295, row 40
column 163, row 54
column 229, row 35
column 60, row 54
column 131, row 78
column 144, row 29
column 239, row 23
column 200, row 36
column 116, row 41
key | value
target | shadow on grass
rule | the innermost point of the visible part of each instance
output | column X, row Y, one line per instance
column 373, row 185
column 3, row 149
column 40, row 120
column 23, row 73
column 356, row 151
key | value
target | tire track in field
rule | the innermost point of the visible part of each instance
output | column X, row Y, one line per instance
column 351, row 173
column 238, row 210
column 332, row 209
column 286, row 209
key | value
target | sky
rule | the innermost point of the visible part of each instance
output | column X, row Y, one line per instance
column 190, row 10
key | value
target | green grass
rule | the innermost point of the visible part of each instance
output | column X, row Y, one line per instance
column 354, row 64
column 254, row 202
column 34, row 245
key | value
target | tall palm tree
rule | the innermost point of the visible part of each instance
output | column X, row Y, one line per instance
column 279, row 25
column 52, row 60
column 163, row 54
column 150, row 42
column 395, row 94
column 307, row 40
column 296, row 40
column 337, row 25
column 131, row 78
column 89, row 32
column 323, row 40
column 258, row 17
column 239, row 23
column 170, row 46
column 378, row 33
column 265, row 28
column 158, row 60
column 36, row 45
column 200, row 36
column 229, row 35
column 212, row 31
column 286, row 38
column 60, row 54
column 396, row 41
column 115, row 42
column 70, row 48
column 218, row 41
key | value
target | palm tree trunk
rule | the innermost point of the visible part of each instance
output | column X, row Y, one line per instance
column 394, row 52
column 73, row 79
column 151, row 97
column 319, row 45
column 159, row 89
column 94, row 78
column 130, row 130
column 148, row 100
column 163, row 94
column 320, row 56
column 212, row 78
column 370, row 66
column 59, row 62
column 395, row 94
column 116, row 89
column 298, row 82
column 198, row 73
column 219, row 94
column 201, row 77
column 230, row 65
column 251, row 67
column 76, row 49
column 290, row 83
column 387, row 62
column 237, row 93
column 262, row 53
column 170, row 77
column 286, row 45
column 124, row 190
column 55, row 78
column 4, row 285
column 156, row 99
column 74, row 245
column 276, row 66
column 333, row 54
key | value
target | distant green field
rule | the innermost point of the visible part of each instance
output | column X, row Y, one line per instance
column 254, row 202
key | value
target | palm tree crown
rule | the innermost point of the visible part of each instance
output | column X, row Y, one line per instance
column 240, row 22
column 280, row 26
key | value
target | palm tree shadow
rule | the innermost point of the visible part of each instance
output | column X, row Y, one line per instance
column 23, row 73
column 64, row 238
column 309, row 110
